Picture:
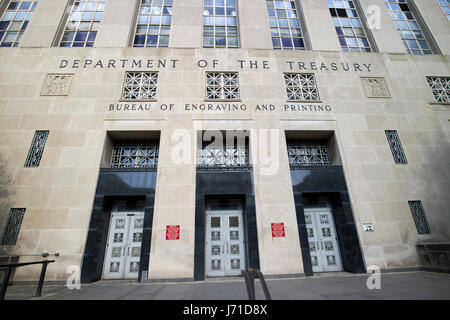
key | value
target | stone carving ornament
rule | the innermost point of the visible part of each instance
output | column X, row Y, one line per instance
column 57, row 85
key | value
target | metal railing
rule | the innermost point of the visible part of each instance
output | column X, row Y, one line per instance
column 250, row 277
column 9, row 268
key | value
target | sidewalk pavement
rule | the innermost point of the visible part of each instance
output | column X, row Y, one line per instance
column 407, row 285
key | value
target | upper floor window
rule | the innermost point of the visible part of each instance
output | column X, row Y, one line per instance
column 82, row 23
column 36, row 149
column 285, row 25
column 13, row 225
column 153, row 24
column 407, row 26
column 135, row 155
column 222, row 86
column 440, row 87
column 301, row 87
column 14, row 21
column 140, row 85
column 420, row 219
column 396, row 147
column 308, row 153
column 220, row 24
column 445, row 5
column 349, row 27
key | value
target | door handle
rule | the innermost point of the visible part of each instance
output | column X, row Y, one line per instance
column 321, row 244
column 128, row 252
column 228, row 247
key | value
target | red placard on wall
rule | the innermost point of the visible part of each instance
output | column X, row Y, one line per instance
column 278, row 230
column 172, row 232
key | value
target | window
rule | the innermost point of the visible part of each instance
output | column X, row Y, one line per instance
column 301, row 87
column 36, row 149
column 419, row 217
column 224, row 149
column 140, row 86
column 406, row 24
column 396, row 147
column 349, row 28
column 220, row 24
column 14, row 22
column 82, row 23
column 12, row 228
column 222, row 86
column 135, row 155
column 445, row 5
column 153, row 24
column 440, row 87
column 308, row 153
column 285, row 25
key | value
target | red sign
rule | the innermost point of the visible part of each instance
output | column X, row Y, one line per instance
column 172, row 232
column 278, row 230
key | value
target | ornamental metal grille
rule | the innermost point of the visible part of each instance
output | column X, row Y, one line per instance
column 135, row 155
column 82, row 23
column 222, row 86
column 230, row 156
column 348, row 26
column 396, row 147
column 220, row 24
column 301, row 87
column 153, row 24
column 36, row 149
column 409, row 30
column 440, row 87
column 12, row 228
column 445, row 5
column 285, row 25
column 140, row 85
column 308, row 154
column 14, row 21
column 419, row 217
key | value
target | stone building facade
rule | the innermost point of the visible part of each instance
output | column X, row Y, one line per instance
column 338, row 115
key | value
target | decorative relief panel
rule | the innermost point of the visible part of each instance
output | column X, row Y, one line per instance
column 57, row 85
column 375, row 87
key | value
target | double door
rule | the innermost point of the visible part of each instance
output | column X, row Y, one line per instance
column 322, row 238
column 225, row 253
column 123, row 249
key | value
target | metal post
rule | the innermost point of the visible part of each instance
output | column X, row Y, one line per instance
column 41, row 279
column 264, row 285
column 5, row 283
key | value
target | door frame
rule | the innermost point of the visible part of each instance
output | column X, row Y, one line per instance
column 326, row 208
column 115, row 212
column 242, row 228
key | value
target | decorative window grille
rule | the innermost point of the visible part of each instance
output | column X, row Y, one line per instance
column 225, row 150
column 445, row 5
column 419, row 217
column 222, row 86
column 301, row 87
column 14, row 21
column 12, row 228
column 220, row 24
column 440, row 87
column 308, row 154
column 153, row 25
column 36, row 149
column 349, row 28
column 406, row 24
column 229, row 156
column 135, row 155
column 285, row 25
column 396, row 147
column 140, row 85
column 82, row 23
